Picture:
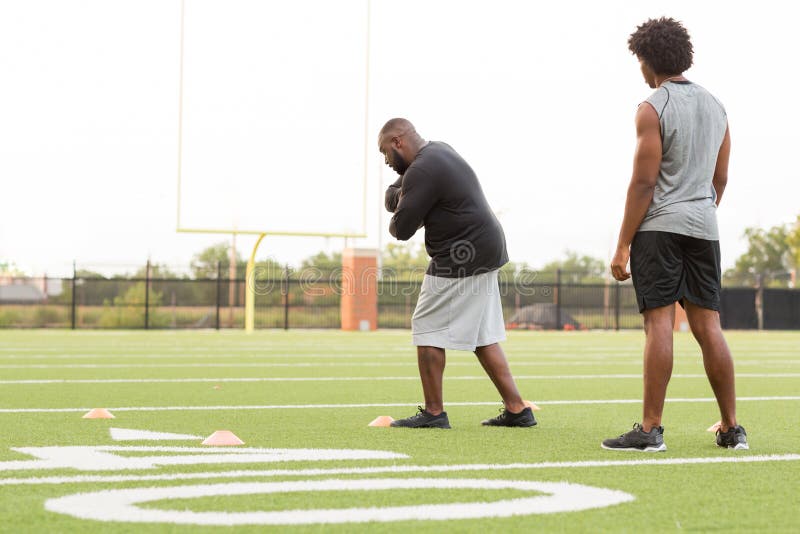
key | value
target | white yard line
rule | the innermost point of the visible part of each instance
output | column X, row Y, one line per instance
column 398, row 469
column 196, row 365
column 368, row 405
column 359, row 378
column 404, row 363
column 221, row 356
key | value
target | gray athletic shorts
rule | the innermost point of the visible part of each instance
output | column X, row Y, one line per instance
column 459, row 313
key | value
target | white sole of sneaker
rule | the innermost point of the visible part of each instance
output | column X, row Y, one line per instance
column 737, row 447
column 660, row 448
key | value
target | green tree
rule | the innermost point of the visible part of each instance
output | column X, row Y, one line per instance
column 405, row 257
column 204, row 263
column 512, row 267
column 267, row 268
column 769, row 256
column 793, row 238
column 324, row 262
column 404, row 261
column 9, row 268
column 156, row 271
column 135, row 296
column 86, row 273
column 92, row 287
column 127, row 310
column 575, row 269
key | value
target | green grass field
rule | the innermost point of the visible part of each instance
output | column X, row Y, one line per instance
column 290, row 394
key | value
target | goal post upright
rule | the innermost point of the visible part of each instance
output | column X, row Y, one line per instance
column 249, row 277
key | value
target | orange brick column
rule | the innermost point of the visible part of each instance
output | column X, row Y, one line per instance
column 359, row 289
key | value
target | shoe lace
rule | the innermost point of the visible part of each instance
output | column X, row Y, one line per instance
column 636, row 426
column 420, row 413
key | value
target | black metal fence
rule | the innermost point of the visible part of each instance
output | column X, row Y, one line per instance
column 293, row 300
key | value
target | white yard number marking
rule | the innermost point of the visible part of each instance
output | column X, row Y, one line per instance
column 120, row 505
column 102, row 458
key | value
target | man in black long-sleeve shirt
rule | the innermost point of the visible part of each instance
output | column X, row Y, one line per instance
column 459, row 304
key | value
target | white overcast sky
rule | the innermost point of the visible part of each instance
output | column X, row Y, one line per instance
column 539, row 97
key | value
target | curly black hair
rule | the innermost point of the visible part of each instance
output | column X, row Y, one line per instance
column 663, row 44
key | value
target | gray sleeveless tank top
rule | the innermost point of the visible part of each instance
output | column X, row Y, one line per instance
column 693, row 125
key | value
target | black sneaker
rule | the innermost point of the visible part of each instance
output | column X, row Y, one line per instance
column 524, row 418
column 638, row 440
column 423, row 419
column 734, row 438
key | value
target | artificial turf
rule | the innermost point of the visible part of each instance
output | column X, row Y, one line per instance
column 319, row 389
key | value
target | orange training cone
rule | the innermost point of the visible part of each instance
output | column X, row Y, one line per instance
column 716, row 426
column 222, row 438
column 531, row 405
column 98, row 413
column 383, row 420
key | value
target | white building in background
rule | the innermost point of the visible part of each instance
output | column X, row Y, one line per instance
column 18, row 290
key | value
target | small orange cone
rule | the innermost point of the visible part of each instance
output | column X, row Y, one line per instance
column 716, row 426
column 98, row 413
column 217, row 386
column 531, row 405
column 222, row 438
column 383, row 420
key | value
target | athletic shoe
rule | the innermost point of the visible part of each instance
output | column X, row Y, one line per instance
column 423, row 419
column 638, row 440
column 524, row 418
column 734, row 438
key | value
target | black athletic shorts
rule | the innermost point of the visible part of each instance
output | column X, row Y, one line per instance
column 668, row 268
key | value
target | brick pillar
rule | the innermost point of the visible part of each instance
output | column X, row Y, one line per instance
column 359, row 308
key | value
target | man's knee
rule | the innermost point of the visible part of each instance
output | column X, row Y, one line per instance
column 427, row 350
column 483, row 349
column 703, row 322
column 659, row 320
column 705, row 330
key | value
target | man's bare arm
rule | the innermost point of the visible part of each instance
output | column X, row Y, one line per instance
column 721, row 170
column 646, row 165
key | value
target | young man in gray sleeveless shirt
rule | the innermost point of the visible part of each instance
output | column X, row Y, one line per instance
column 669, row 229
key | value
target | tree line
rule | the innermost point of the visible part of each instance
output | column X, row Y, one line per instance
column 771, row 258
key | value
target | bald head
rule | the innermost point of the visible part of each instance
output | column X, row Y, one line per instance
column 397, row 126
column 399, row 142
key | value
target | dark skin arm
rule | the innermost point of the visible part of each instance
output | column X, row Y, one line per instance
column 646, row 165
column 721, row 170
column 392, row 197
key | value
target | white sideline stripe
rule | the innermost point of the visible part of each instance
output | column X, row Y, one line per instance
column 404, row 363
column 371, row 405
column 396, row 469
column 222, row 356
column 357, row 378
column 191, row 365
column 273, row 352
column 540, row 354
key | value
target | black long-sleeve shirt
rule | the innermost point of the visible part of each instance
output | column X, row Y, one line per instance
column 440, row 191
